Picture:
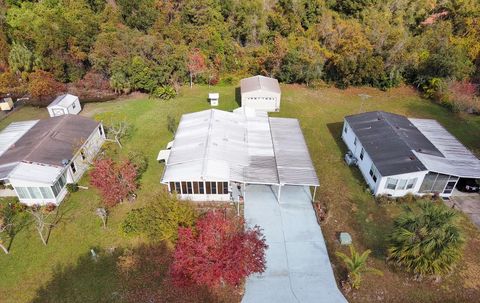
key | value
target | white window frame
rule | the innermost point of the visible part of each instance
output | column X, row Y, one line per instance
column 388, row 183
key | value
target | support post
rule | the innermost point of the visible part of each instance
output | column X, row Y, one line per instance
column 279, row 192
column 314, row 193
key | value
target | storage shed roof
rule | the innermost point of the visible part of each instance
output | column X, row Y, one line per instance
column 257, row 83
column 64, row 100
column 239, row 146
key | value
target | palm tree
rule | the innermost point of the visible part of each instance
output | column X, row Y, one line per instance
column 356, row 265
column 426, row 241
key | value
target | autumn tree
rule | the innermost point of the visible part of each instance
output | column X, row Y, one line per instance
column 115, row 181
column 42, row 87
column 218, row 251
column 196, row 64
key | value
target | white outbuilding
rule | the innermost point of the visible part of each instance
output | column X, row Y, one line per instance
column 261, row 93
column 63, row 105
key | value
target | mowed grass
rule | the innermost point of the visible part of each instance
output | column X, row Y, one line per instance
column 29, row 270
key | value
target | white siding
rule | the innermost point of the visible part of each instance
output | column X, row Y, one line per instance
column 382, row 190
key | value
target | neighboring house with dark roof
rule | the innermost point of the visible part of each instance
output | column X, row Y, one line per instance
column 261, row 93
column 64, row 105
column 38, row 158
column 397, row 155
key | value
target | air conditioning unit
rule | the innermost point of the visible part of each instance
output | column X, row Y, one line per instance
column 350, row 159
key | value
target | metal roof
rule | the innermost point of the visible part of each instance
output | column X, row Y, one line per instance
column 36, row 173
column 64, row 100
column 259, row 83
column 13, row 132
column 218, row 145
column 389, row 140
column 457, row 160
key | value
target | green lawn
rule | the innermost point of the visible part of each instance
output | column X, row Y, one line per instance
column 63, row 268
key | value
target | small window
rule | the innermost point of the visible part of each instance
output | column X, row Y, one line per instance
column 373, row 173
column 178, row 188
column 172, row 187
column 355, row 141
column 100, row 130
column 82, row 153
column 401, row 184
column 72, row 166
column 195, row 187
column 74, row 105
column 362, row 153
column 225, row 188
column 201, row 189
column 411, row 183
column 219, row 188
column 214, row 188
column 209, row 188
column 189, row 188
column 345, row 129
column 184, row 187
column 391, row 183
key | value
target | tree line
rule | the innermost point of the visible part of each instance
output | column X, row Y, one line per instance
column 148, row 45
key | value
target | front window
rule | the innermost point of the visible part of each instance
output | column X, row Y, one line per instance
column 100, row 130
column 345, row 129
column 373, row 173
column 355, row 141
column 401, row 184
column 411, row 183
column 72, row 166
column 362, row 153
column 391, row 183
column 34, row 193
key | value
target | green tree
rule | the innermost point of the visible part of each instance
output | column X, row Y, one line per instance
column 426, row 241
column 356, row 265
column 160, row 218
column 20, row 58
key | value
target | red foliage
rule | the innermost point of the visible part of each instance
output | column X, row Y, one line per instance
column 93, row 81
column 114, row 180
column 196, row 62
column 219, row 251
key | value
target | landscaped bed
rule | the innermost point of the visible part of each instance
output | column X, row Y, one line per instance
column 64, row 266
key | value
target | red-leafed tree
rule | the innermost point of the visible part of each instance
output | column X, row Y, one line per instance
column 196, row 64
column 114, row 180
column 219, row 251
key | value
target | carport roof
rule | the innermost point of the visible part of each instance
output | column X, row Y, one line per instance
column 242, row 146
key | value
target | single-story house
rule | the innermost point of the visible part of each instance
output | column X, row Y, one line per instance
column 398, row 155
column 261, row 93
column 216, row 153
column 38, row 158
column 64, row 105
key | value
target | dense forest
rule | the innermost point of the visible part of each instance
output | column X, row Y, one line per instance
column 155, row 46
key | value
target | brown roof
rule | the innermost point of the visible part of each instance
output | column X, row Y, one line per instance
column 51, row 140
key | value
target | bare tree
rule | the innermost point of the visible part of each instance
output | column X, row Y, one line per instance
column 116, row 130
column 102, row 213
column 5, row 228
column 42, row 219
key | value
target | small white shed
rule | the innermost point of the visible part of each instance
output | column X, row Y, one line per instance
column 213, row 98
column 64, row 105
column 261, row 93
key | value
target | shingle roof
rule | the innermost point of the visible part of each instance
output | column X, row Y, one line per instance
column 259, row 83
column 389, row 140
column 50, row 141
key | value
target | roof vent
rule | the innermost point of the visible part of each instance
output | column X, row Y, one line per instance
column 419, row 150
column 65, row 162
column 412, row 158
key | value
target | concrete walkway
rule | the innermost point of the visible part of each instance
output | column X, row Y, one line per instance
column 468, row 203
column 298, row 267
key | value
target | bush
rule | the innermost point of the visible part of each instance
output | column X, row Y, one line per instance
column 160, row 218
column 139, row 160
column 72, row 187
column 426, row 240
column 43, row 88
column 165, row 92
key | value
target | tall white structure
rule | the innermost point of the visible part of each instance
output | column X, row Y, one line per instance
column 261, row 93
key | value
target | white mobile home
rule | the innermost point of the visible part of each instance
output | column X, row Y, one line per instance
column 64, row 105
column 38, row 158
column 216, row 153
column 261, row 93
column 397, row 155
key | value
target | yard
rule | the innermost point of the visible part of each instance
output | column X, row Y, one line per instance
column 63, row 270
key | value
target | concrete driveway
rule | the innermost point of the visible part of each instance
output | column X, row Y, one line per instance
column 298, row 267
column 468, row 203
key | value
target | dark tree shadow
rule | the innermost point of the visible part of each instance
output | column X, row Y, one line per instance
column 138, row 275
column 238, row 96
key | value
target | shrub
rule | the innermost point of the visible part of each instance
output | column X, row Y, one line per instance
column 165, row 92
column 72, row 187
column 219, row 251
column 139, row 160
column 160, row 218
column 356, row 265
column 43, row 87
column 425, row 240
